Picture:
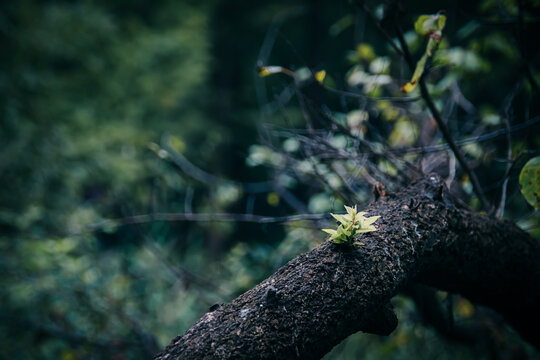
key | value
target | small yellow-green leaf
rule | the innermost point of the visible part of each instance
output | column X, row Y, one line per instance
column 330, row 231
column 365, row 52
column 368, row 229
column 529, row 180
column 341, row 24
column 338, row 217
column 408, row 87
column 431, row 25
column 339, row 241
column 273, row 199
column 350, row 210
column 344, row 219
column 320, row 75
column 347, row 232
column 370, row 220
column 269, row 70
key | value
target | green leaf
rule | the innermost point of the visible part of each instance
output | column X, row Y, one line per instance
column 320, row 75
column 529, row 180
column 367, row 229
column 269, row 70
column 426, row 24
column 419, row 24
column 409, row 86
column 350, row 210
column 431, row 25
column 341, row 218
column 368, row 221
column 330, row 231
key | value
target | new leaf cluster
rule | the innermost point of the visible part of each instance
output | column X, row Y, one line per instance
column 350, row 226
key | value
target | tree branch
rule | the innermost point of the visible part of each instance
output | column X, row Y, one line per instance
column 319, row 298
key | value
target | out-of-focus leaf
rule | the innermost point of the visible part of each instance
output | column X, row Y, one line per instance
column 464, row 308
column 227, row 194
column 431, row 25
column 365, row 52
column 468, row 29
column 426, row 24
column 320, row 203
column 291, row 145
column 405, row 133
column 269, row 70
column 473, row 149
column 320, row 75
column 272, row 199
column 380, row 65
column 409, row 86
column 529, row 180
column 303, row 74
column 341, row 25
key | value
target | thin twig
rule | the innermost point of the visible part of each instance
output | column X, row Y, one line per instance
column 209, row 179
column 479, row 138
column 509, row 100
column 388, row 156
column 305, row 150
column 380, row 28
column 198, row 217
column 291, row 199
column 441, row 124
column 382, row 98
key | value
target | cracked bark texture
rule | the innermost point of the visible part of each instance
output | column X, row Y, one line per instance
column 319, row 298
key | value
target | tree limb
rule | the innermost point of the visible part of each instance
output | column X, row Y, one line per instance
column 319, row 298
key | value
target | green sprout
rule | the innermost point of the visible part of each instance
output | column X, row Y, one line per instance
column 351, row 225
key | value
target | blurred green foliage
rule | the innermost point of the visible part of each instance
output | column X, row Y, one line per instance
column 88, row 92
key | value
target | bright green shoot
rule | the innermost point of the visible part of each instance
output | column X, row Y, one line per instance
column 350, row 226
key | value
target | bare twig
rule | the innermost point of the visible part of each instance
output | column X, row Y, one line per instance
column 460, row 99
column 379, row 27
column 198, row 217
column 188, row 200
column 291, row 199
column 484, row 137
column 305, row 150
column 388, row 156
column 209, row 179
column 382, row 98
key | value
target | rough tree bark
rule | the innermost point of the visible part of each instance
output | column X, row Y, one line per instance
column 319, row 298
